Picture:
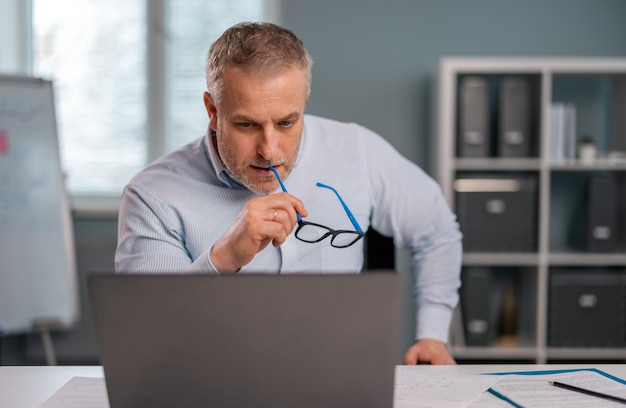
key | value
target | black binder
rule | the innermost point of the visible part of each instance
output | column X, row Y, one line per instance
column 474, row 139
column 476, row 303
column 514, row 118
column 602, row 214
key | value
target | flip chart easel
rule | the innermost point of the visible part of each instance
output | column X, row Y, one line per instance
column 38, row 279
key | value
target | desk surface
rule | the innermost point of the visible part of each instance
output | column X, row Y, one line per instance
column 31, row 386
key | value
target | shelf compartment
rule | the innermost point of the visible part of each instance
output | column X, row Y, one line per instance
column 587, row 307
column 573, row 216
column 498, row 306
column 498, row 115
column 497, row 211
column 599, row 101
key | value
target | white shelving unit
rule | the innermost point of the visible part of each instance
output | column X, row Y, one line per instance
column 597, row 87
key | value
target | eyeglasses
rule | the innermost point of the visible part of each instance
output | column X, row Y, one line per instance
column 311, row 232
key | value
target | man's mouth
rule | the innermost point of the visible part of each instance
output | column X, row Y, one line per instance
column 261, row 168
column 266, row 166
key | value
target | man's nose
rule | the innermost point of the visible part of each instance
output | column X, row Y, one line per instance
column 268, row 144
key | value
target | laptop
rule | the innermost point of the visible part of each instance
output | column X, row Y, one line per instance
column 312, row 340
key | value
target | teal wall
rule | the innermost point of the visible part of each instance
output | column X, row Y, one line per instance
column 376, row 61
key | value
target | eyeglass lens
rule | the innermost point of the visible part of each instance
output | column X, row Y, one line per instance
column 309, row 232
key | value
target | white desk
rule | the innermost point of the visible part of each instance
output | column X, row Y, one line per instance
column 29, row 387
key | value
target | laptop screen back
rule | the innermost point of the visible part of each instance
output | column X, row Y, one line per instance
column 323, row 340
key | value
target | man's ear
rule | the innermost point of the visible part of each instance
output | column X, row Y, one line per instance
column 211, row 110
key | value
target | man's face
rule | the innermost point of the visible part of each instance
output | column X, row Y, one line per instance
column 259, row 124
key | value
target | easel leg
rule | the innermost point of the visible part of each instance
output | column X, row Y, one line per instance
column 48, row 347
column 43, row 326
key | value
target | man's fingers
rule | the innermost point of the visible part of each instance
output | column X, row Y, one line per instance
column 285, row 202
column 263, row 220
column 282, row 226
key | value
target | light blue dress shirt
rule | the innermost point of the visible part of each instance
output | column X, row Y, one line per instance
column 173, row 211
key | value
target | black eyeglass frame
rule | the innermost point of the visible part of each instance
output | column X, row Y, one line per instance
column 331, row 232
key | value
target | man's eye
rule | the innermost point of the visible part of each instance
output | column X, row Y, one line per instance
column 286, row 123
column 245, row 124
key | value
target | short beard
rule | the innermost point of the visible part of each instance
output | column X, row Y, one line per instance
column 265, row 185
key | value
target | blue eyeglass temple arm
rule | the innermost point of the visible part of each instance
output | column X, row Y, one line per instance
column 280, row 181
column 355, row 223
column 353, row 220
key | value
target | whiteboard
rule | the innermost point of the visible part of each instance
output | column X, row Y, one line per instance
column 38, row 280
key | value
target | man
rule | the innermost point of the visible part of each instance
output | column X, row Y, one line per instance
column 217, row 206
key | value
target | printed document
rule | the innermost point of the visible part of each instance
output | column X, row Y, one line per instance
column 534, row 390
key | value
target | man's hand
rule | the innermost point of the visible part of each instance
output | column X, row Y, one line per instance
column 428, row 351
column 262, row 220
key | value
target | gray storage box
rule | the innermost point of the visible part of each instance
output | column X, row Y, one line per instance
column 587, row 308
column 497, row 213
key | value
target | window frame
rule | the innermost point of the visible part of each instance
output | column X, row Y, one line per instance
column 16, row 57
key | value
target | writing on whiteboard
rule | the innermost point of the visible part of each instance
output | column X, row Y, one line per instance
column 26, row 179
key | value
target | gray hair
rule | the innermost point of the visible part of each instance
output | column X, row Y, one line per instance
column 263, row 48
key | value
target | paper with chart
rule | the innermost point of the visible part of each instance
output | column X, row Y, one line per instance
column 416, row 390
column 80, row 392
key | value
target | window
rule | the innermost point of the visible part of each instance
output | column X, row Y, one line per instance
column 188, row 41
column 97, row 63
column 126, row 94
